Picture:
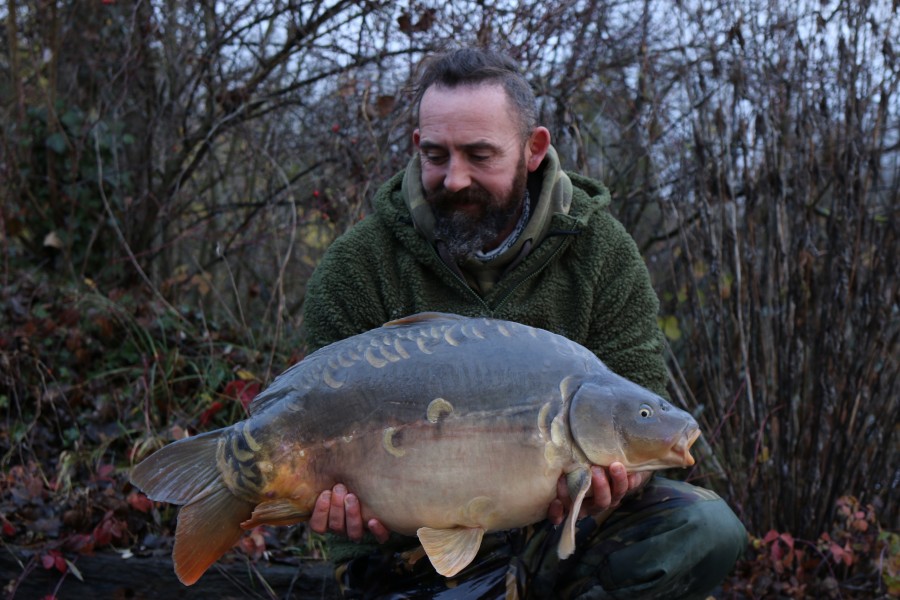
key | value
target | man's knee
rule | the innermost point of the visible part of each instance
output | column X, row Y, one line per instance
column 682, row 546
column 714, row 540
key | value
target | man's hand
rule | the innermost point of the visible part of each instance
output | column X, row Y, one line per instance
column 339, row 511
column 607, row 491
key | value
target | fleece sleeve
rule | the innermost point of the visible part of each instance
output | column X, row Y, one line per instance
column 342, row 296
column 624, row 329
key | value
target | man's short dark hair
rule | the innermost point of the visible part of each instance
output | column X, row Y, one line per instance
column 471, row 66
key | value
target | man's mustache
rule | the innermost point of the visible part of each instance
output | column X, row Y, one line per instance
column 447, row 201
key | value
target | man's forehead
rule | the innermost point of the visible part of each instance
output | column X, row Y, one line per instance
column 485, row 99
column 477, row 117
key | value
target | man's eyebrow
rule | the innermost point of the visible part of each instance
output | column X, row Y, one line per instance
column 481, row 145
column 426, row 145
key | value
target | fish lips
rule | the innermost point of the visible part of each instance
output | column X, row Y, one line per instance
column 682, row 447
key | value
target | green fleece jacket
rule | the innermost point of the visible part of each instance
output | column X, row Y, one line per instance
column 574, row 271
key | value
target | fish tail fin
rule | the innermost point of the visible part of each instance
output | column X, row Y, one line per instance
column 207, row 529
column 186, row 472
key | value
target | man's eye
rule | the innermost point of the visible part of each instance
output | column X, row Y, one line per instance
column 480, row 158
column 435, row 159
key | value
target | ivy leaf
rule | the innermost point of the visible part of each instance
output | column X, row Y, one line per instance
column 56, row 142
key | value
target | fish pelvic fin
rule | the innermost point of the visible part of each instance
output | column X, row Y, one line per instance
column 207, row 529
column 283, row 511
column 186, row 472
column 578, row 482
column 450, row 550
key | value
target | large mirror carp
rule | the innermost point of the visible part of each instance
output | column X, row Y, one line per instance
column 445, row 427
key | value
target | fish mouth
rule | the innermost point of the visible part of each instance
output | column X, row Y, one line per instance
column 682, row 447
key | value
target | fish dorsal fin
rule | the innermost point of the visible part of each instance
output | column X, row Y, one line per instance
column 423, row 317
column 579, row 482
column 450, row 550
column 276, row 512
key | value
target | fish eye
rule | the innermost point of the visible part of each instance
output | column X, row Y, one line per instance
column 645, row 411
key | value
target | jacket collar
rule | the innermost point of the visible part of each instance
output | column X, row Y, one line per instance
column 555, row 196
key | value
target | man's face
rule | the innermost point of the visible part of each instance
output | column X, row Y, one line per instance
column 475, row 164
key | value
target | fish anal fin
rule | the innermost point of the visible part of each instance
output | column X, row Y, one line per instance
column 578, row 482
column 207, row 529
column 282, row 511
column 450, row 550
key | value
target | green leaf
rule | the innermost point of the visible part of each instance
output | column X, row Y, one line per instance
column 74, row 570
column 71, row 119
column 56, row 142
column 669, row 325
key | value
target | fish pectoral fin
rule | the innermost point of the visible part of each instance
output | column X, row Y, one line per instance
column 578, row 482
column 283, row 511
column 450, row 550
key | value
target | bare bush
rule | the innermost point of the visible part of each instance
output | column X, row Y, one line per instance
column 210, row 151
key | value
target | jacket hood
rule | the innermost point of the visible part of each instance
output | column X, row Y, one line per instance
column 555, row 197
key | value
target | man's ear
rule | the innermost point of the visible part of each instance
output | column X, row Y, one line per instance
column 416, row 138
column 538, row 145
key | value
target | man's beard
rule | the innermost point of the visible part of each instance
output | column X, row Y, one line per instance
column 465, row 232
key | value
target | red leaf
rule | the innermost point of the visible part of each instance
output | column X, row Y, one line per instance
column 104, row 473
column 54, row 559
column 250, row 392
column 8, row 528
column 771, row 536
column 108, row 530
column 777, row 553
column 140, row 502
column 243, row 391
column 210, row 412
column 254, row 545
column 81, row 543
column 787, row 539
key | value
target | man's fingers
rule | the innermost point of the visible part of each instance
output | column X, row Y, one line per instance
column 618, row 484
column 339, row 511
column 318, row 522
column 353, row 518
column 380, row 532
column 562, row 491
column 336, row 521
column 601, row 488
column 557, row 512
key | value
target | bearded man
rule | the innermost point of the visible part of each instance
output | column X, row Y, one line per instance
column 484, row 222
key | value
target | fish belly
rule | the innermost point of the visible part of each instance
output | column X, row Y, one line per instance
column 464, row 476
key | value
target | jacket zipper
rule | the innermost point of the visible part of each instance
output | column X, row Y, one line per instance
column 462, row 282
column 534, row 273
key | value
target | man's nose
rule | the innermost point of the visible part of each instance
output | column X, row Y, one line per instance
column 457, row 176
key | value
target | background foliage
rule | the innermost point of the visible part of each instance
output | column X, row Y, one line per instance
column 172, row 171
